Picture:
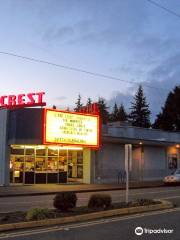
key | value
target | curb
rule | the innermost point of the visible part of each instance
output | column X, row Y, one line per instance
column 78, row 191
column 84, row 217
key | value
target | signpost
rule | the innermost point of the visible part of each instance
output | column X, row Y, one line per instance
column 128, row 167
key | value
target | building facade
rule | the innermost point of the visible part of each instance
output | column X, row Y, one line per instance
column 25, row 159
column 155, row 153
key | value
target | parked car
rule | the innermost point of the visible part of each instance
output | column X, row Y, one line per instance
column 173, row 178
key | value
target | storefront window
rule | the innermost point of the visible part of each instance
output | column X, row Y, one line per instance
column 80, row 157
column 40, row 151
column 29, row 163
column 79, row 171
column 75, row 164
column 52, row 152
column 40, row 164
column 16, row 168
column 17, row 151
column 52, row 164
column 62, row 160
column 29, row 151
column 172, row 161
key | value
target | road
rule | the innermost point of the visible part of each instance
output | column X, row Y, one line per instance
column 24, row 203
column 119, row 228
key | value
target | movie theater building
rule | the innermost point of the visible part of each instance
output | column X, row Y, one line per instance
column 41, row 146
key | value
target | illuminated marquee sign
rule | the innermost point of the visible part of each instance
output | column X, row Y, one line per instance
column 71, row 128
column 22, row 100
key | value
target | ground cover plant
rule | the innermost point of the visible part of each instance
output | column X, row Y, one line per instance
column 43, row 213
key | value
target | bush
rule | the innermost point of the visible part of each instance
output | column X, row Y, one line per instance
column 37, row 214
column 65, row 200
column 99, row 201
column 144, row 201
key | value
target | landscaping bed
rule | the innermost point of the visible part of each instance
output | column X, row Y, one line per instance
column 16, row 217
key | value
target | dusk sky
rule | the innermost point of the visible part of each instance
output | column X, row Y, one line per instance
column 132, row 40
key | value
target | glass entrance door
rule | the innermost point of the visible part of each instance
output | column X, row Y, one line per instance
column 17, row 165
column 75, row 166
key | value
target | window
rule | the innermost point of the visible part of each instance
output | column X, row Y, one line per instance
column 40, row 151
column 172, row 161
column 40, row 164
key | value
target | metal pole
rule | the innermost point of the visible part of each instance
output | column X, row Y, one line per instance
column 127, row 184
column 128, row 167
column 127, row 171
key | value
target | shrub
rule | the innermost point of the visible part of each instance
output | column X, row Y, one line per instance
column 37, row 214
column 99, row 201
column 65, row 200
column 144, row 201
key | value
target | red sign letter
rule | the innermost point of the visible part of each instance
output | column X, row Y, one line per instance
column 21, row 100
column 2, row 101
column 11, row 100
column 31, row 98
column 40, row 97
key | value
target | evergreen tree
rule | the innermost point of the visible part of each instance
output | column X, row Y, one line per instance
column 78, row 104
column 169, row 117
column 122, row 115
column 140, row 113
column 89, row 102
column 104, row 114
column 114, row 115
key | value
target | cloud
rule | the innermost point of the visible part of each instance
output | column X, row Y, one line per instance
column 162, row 79
column 66, row 33
column 58, row 34
column 61, row 98
column 97, row 22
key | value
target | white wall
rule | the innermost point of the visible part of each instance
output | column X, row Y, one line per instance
column 155, row 162
column 86, row 165
column 109, row 161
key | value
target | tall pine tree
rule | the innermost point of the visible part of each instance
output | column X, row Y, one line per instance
column 122, row 115
column 78, row 104
column 169, row 117
column 103, row 109
column 114, row 115
column 89, row 101
column 118, row 114
column 140, row 113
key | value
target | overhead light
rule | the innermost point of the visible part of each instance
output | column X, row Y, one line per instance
column 71, row 148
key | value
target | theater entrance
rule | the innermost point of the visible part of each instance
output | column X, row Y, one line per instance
column 35, row 164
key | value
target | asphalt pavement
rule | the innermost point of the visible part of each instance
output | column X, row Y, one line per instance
column 160, row 225
column 24, row 203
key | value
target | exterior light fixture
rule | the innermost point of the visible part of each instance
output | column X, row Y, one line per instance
column 177, row 146
column 140, row 143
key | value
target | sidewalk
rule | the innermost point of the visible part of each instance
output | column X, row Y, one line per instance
column 47, row 189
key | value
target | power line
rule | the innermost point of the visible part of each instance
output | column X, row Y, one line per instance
column 78, row 70
column 164, row 8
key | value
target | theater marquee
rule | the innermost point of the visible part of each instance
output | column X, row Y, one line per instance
column 71, row 128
